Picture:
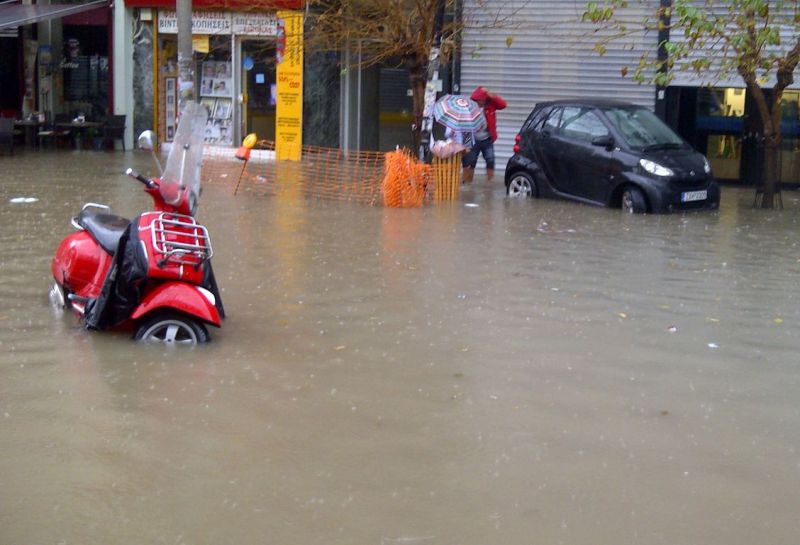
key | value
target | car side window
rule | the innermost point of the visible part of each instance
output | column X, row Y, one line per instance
column 532, row 121
column 551, row 123
column 581, row 124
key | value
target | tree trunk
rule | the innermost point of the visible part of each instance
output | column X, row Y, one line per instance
column 417, row 74
column 769, row 114
column 770, row 175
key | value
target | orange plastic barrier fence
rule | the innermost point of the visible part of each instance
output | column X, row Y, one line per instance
column 406, row 180
column 367, row 177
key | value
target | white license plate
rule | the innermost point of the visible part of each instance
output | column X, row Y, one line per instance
column 689, row 196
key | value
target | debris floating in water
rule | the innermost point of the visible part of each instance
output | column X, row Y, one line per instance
column 713, row 345
column 23, row 200
column 471, row 205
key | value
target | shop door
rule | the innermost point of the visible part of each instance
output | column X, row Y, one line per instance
column 258, row 88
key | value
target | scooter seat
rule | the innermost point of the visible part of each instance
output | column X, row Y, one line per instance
column 106, row 229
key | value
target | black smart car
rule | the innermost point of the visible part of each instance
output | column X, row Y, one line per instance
column 608, row 153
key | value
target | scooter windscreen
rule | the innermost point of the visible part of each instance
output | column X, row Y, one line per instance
column 182, row 173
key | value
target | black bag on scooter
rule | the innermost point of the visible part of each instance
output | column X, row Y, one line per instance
column 124, row 284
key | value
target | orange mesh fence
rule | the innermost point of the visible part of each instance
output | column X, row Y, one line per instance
column 406, row 180
column 367, row 177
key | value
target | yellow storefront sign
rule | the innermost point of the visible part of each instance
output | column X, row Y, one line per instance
column 289, row 99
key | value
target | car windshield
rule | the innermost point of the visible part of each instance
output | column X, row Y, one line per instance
column 642, row 130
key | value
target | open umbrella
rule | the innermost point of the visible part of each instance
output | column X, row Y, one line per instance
column 459, row 113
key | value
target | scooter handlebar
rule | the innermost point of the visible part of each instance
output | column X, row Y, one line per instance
column 133, row 174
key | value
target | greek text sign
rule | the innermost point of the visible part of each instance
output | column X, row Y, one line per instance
column 222, row 22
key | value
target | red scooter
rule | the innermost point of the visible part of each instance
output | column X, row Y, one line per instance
column 151, row 275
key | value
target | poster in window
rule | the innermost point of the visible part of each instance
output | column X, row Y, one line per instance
column 216, row 79
column 170, row 99
column 209, row 104
column 223, row 109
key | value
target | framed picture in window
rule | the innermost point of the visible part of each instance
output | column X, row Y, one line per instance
column 223, row 108
column 209, row 104
column 171, row 109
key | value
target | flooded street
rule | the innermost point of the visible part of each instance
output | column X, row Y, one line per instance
column 512, row 372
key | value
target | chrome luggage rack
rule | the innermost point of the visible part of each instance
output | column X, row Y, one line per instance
column 179, row 239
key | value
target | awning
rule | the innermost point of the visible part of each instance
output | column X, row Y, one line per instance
column 14, row 15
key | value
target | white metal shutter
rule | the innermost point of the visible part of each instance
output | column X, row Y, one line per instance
column 550, row 57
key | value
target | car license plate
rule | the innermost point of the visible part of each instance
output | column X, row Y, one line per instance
column 689, row 196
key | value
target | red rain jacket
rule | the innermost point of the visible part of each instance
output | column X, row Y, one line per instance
column 491, row 103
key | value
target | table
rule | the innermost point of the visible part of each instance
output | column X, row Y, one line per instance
column 31, row 129
column 78, row 129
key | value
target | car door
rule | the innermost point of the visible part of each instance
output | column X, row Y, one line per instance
column 545, row 146
column 585, row 168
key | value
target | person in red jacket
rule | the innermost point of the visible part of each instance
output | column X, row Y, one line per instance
column 483, row 139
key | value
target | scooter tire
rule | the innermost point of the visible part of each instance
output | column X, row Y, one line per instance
column 171, row 328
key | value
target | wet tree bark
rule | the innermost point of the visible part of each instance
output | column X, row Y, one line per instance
column 769, row 111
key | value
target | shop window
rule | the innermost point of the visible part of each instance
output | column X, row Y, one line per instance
column 790, row 144
column 213, row 82
column 720, row 115
column 84, row 69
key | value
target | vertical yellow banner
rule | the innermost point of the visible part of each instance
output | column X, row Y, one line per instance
column 289, row 99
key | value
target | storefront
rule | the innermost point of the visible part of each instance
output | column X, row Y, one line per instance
column 722, row 123
column 56, row 59
column 243, row 75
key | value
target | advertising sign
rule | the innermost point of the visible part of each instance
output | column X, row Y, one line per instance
column 203, row 22
column 255, row 24
column 222, row 22
column 289, row 91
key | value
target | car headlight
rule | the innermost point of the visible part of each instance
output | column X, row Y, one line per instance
column 706, row 166
column 654, row 168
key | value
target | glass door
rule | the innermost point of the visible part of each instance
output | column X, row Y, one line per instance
column 256, row 76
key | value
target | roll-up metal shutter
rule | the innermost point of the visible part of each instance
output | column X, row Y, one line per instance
column 530, row 51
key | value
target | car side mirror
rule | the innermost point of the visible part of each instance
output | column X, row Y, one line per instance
column 605, row 141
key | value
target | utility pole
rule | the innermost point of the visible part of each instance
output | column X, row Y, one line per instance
column 186, row 87
column 430, row 85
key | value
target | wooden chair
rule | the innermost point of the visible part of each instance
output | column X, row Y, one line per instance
column 7, row 134
column 52, row 132
column 114, row 129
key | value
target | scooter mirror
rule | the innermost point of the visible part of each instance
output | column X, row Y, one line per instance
column 147, row 140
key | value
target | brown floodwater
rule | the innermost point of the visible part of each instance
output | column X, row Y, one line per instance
column 482, row 371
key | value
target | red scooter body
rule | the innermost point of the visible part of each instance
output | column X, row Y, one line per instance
column 152, row 274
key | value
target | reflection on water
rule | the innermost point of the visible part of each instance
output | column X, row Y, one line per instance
column 444, row 375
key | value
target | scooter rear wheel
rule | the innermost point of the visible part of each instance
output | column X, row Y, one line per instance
column 171, row 328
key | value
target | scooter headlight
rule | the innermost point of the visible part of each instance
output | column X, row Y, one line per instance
column 654, row 168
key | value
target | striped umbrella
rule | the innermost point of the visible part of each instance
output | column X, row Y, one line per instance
column 459, row 113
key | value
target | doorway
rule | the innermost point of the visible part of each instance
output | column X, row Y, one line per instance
column 258, row 87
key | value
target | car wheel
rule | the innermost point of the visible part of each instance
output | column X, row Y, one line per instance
column 633, row 201
column 521, row 185
column 171, row 328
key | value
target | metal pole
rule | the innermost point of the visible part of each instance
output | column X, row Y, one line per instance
column 430, row 87
column 186, row 87
column 664, row 19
